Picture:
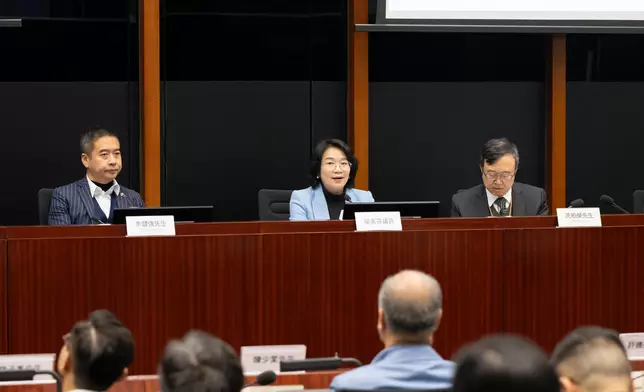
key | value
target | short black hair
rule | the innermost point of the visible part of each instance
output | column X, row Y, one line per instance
column 494, row 149
column 100, row 348
column 316, row 162
column 90, row 137
column 591, row 350
column 504, row 363
column 200, row 362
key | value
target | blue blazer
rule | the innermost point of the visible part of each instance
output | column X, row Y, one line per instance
column 72, row 204
column 310, row 204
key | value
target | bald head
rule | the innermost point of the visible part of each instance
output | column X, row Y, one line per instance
column 411, row 303
column 593, row 359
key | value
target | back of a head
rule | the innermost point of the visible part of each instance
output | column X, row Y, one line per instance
column 504, row 363
column 411, row 302
column 200, row 363
column 592, row 358
column 101, row 350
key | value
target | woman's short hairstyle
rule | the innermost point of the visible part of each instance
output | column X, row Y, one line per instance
column 316, row 162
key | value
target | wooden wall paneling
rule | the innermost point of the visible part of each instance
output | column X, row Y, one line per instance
column 150, row 77
column 556, row 127
column 556, row 280
column 159, row 287
column 4, row 347
column 358, row 88
column 326, row 286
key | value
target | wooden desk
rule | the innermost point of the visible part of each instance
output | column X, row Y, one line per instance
column 312, row 380
column 316, row 283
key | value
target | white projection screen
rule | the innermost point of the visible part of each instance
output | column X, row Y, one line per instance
column 622, row 16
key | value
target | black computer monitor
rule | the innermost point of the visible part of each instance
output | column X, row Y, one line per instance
column 407, row 209
column 181, row 214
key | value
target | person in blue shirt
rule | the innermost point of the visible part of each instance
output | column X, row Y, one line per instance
column 410, row 310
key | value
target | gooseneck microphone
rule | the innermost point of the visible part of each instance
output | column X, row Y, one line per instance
column 609, row 200
column 311, row 364
column 265, row 378
column 576, row 203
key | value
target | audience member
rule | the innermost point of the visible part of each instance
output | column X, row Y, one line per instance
column 200, row 363
column 592, row 359
column 96, row 353
column 504, row 363
column 410, row 310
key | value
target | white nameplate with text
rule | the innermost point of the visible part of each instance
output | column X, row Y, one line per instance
column 634, row 345
column 148, row 226
column 257, row 359
column 378, row 221
column 579, row 217
column 37, row 362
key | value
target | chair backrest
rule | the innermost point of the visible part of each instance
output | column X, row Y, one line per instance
column 274, row 204
column 638, row 202
column 44, row 200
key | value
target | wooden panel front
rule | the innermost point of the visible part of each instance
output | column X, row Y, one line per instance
column 159, row 287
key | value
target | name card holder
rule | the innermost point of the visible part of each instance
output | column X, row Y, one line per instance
column 257, row 359
column 378, row 221
column 37, row 362
column 634, row 345
column 150, row 226
column 579, row 217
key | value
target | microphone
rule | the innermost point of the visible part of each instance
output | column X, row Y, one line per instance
column 609, row 200
column 576, row 203
column 265, row 378
column 347, row 198
column 331, row 363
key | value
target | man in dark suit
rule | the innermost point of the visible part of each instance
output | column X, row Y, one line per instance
column 93, row 199
column 499, row 195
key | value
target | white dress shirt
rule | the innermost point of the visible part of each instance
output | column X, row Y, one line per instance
column 491, row 199
column 103, row 198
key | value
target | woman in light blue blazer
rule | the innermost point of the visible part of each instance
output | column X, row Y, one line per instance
column 333, row 170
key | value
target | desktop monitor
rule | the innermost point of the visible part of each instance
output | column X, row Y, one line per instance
column 181, row 214
column 407, row 209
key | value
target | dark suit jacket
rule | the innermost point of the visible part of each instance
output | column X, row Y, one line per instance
column 72, row 204
column 527, row 200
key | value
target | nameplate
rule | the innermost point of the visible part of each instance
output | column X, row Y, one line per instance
column 378, row 221
column 257, row 359
column 634, row 345
column 579, row 217
column 37, row 362
column 148, row 226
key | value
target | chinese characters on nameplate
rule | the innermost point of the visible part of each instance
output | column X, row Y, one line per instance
column 634, row 345
column 579, row 217
column 378, row 221
column 144, row 226
column 37, row 362
column 257, row 359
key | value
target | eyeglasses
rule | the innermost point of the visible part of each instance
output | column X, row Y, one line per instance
column 344, row 165
column 495, row 176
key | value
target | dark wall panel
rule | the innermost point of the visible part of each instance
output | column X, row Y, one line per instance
column 328, row 111
column 226, row 140
column 41, row 126
column 426, row 137
column 605, row 135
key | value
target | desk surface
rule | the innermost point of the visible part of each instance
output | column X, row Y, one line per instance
column 311, row 380
column 316, row 283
